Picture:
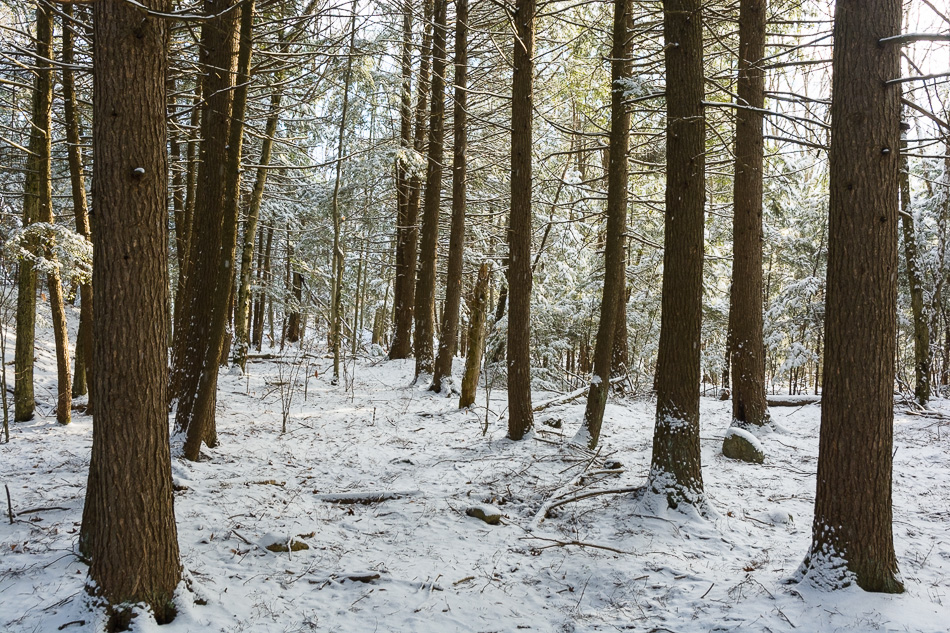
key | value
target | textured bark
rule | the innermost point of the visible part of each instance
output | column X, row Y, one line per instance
column 404, row 298
column 424, row 311
column 921, row 318
column 294, row 330
column 520, row 415
column 747, row 350
column 478, row 312
column 620, row 359
column 128, row 530
column 453, row 277
column 82, row 371
column 675, row 470
column 36, row 193
column 265, row 278
column 614, row 293
column 852, row 534
column 208, row 282
column 406, row 234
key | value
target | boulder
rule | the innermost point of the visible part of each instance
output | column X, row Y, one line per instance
column 487, row 513
column 742, row 445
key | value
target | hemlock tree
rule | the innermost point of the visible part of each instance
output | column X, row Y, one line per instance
column 520, row 415
column 675, row 469
column 852, row 538
column 453, row 275
column 424, row 312
column 614, row 270
column 128, row 529
column 747, row 346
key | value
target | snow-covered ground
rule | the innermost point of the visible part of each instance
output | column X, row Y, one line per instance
column 605, row 563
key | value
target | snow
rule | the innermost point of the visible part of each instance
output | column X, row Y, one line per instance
column 603, row 563
column 747, row 436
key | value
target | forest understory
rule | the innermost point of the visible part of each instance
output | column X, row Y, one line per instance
column 418, row 562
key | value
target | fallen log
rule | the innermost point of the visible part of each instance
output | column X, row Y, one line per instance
column 366, row 498
column 792, row 401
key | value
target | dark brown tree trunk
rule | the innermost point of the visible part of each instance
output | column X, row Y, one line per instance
column 293, row 322
column 852, row 537
column 620, row 359
column 614, row 293
column 209, row 278
column 36, row 192
column 83, row 360
column 262, row 296
column 478, row 311
column 747, row 350
column 921, row 318
column 675, row 470
column 453, row 277
column 128, row 530
column 404, row 292
column 424, row 311
column 406, row 234
column 520, row 414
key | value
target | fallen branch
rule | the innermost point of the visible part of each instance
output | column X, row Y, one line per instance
column 570, row 397
column 586, row 495
column 366, row 497
column 34, row 510
column 558, row 543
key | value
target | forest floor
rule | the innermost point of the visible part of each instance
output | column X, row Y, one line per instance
column 605, row 563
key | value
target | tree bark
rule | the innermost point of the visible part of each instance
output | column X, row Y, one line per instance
column 747, row 350
column 852, row 537
column 453, row 278
column 209, row 279
column 405, row 286
column 675, row 469
column 405, row 231
column 424, row 311
column 478, row 312
column 83, row 361
column 921, row 318
column 520, row 415
column 614, row 292
column 128, row 530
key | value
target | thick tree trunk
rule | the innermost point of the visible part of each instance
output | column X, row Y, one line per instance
column 478, row 312
column 404, row 292
column 852, row 537
column 294, row 330
column 675, row 470
column 424, row 311
column 405, row 232
column 747, row 350
column 520, row 415
column 209, row 280
column 921, row 318
column 453, row 277
column 128, row 530
column 614, row 292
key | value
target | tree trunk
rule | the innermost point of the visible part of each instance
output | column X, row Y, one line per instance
column 614, row 294
column 294, row 331
column 520, row 415
column 424, row 311
column 921, row 318
column 478, row 311
column 241, row 320
column 852, row 537
column 747, row 350
column 83, row 360
column 675, row 469
column 336, row 291
column 404, row 291
column 128, row 529
column 453, row 277
column 209, row 279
